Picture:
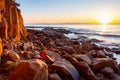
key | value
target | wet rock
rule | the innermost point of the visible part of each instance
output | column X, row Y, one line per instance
column 86, row 46
column 74, row 62
column 109, row 54
column 76, row 42
column 91, row 54
column 86, row 71
column 13, row 56
column 48, row 59
column 54, row 76
column 68, row 49
column 95, row 40
column 117, row 52
column 55, row 56
column 33, row 69
column 83, row 68
column 107, row 71
column 95, row 47
column 37, row 56
column 27, row 54
column 115, row 76
column 66, row 70
column 28, row 45
column 100, row 76
column 84, row 58
column 83, row 38
column 50, row 32
column 100, row 63
column 63, row 31
column 5, row 52
column 100, row 54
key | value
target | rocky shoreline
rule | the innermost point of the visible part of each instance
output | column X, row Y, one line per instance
column 49, row 55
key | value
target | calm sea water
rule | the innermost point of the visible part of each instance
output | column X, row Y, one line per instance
column 109, row 34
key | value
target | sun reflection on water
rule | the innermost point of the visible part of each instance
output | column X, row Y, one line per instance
column 104, row 27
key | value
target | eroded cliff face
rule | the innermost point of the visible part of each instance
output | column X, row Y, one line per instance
column 11, row 21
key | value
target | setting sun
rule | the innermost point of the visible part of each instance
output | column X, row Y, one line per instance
column 104, row 19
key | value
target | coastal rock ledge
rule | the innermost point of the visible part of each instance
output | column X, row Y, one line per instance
column 47, row 54
column 43, row 57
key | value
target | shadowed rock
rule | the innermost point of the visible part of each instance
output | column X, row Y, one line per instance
column 107, row 71
column 54, row 76
column 50, row 32
column 84, row 58
column 83, row 68
column 66, row 70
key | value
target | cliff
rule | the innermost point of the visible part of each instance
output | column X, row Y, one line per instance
column 11, row 21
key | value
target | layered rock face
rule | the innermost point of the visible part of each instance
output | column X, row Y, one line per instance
column 11, row 21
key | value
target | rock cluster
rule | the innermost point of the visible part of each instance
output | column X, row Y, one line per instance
column 49, row 55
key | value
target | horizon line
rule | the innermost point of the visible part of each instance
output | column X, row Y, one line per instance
column 74, row 23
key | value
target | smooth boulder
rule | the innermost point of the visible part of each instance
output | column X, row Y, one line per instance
column 83, row 68
column 33, row 69
column 54, row 76
column 100, row 63
column 55, row 56
column 66, row 70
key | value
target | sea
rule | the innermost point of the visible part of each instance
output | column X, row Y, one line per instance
column 109, row 35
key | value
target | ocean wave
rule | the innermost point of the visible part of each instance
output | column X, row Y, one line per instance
column 93, row 32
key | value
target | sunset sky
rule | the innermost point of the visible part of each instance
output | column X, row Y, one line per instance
column 69, row 11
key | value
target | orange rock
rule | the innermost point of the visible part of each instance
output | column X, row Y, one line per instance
column 28, row 45
column 2, row 6
column 11, row 21
column 27, row 54
column 1, row 49
column 13, row 56
column 86, row 46
column 100, row 63
column 3, row 29
column 33, row 69
column 55, row 56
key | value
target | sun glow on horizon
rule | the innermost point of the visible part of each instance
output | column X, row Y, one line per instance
column 104, row 19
